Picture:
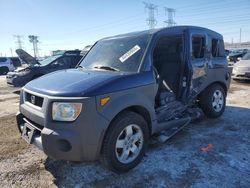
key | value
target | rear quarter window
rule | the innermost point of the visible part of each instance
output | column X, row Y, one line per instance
column 217, row 48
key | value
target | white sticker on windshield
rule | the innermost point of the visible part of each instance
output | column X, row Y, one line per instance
column 128, row 54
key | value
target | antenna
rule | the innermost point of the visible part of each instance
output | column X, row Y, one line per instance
column 171, row 13
column 151, row 8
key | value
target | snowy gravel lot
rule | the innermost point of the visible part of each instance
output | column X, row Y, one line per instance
column 210, row 153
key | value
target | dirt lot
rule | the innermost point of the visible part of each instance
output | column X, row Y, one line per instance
column 211, row 153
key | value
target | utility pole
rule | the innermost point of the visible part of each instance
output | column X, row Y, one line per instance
column 19, row 41
column 171, row 13
column 151, row 8
column 34, row 40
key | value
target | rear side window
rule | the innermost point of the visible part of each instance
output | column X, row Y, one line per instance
column 198, row 46
column 218, row 49
column 3, row 59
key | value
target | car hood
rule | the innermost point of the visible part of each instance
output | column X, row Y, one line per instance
column 87, row 83
column 243, row 63
column 22, row 68
column 235, row 54
column 25, row 57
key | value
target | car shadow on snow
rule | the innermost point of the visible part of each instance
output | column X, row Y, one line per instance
column 181, row 161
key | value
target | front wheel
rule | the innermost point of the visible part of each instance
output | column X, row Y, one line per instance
column 125, row 142
column 213, row 101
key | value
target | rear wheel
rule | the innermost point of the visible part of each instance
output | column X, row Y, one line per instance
column 125, row 142
column 213, row 101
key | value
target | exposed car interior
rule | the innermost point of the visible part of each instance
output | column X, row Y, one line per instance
column 167, row 61
column 167, row 64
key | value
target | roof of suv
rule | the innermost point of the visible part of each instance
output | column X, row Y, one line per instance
column 167, row 29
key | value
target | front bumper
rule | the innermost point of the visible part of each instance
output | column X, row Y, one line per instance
column 16, row 80
column 80, row 140
column 241, row 75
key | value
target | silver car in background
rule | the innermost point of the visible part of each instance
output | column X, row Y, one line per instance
column 241, row 70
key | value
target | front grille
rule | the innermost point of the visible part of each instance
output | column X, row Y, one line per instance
column 33, row 99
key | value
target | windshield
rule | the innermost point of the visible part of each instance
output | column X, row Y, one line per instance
column 48, row 60
column 246, row 57
column 117, row 54
column 236, row 51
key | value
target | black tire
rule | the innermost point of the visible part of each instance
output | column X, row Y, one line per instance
column 4, row 70
column 109, row 156
column 207, row 99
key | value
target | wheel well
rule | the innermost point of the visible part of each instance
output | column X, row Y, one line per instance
column 137, row 109
column 223, row 85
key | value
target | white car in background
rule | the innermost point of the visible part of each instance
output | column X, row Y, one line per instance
column 6, row 65
column 241, row 70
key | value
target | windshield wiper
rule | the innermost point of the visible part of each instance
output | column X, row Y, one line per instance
column 106, row 68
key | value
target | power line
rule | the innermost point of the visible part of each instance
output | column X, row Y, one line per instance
column 34, row 40
column 171, row 13
column 151, row 8
column 19, row 41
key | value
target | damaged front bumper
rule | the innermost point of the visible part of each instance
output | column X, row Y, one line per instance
column 80, row 140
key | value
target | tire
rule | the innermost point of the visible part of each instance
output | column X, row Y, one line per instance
column 213, row 101
column 119, row 156
column 4, row 70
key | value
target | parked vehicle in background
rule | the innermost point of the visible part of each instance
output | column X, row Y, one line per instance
column 86, row 50
column 6, row 65
column 236, row 54
column 34, row 69
column 16, row 62
column 126, row 89
column 241, row 69
column 227, row 52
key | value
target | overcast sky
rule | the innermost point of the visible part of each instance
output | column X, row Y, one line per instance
column 73, row 24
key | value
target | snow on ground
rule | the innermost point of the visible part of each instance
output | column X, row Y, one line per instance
column 210, row 153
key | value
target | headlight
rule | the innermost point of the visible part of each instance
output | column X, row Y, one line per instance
column 63, row 111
